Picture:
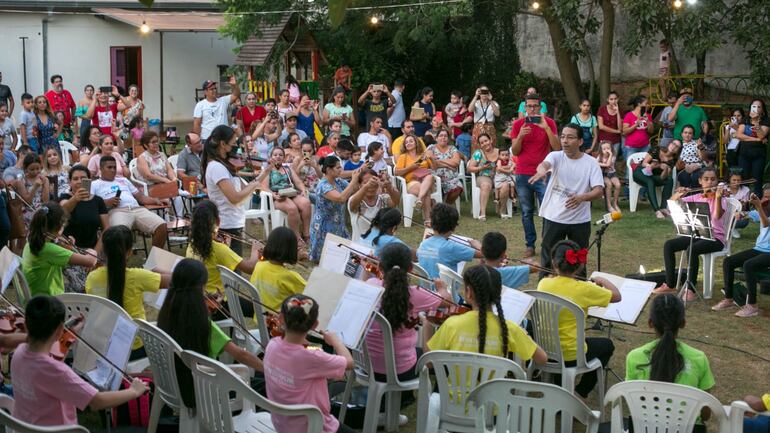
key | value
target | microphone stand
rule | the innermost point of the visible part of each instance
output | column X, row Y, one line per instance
column 599, row 325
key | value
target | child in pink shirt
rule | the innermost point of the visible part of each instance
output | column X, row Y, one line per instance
column 401, row 304
column 47, row 391
column 297, row 375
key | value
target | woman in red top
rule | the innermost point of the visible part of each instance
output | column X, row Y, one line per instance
column 609, row 117
column 102, row 113
column 252, row 112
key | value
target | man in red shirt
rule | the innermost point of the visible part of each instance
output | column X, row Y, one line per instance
column 532, row 138
column 61, row 100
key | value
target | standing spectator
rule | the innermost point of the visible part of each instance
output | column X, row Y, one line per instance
column 6, row 97
column 82, row 108
column 730, row 136
column 284, row 106
column 445, row 161
column 576, row 180
column 307, row 115
column 666, row 125
column 532, row 138
column 456, row 112
column 61, row 100
column 27, row 123
column 251, row 112
column 343, row 76
column 292, row 86
column 211, row 111
column 609, row 117
column 104, row 113
column 337, row 109
column 7, row 130
column 131, row 106
column 189, row 160
column 45, row 125
column 588, row 126
column 685, row 113
column 375, row 133
column 396, row 112
column 407, row 128
column 522, row 111
column 377, row 106
column 421, row 126
column 485, row 111
column 752, row 152
column 637, row 127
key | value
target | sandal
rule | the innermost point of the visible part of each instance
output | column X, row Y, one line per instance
column 482, row 217
column 427, row 224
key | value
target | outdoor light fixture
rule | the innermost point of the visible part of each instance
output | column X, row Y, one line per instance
column 535, row 5
column 144, row 28
column 692, row 2
column 677, row 4
column 374, row 20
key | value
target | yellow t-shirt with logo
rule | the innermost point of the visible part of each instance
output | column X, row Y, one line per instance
column 460, row 333
column 138, row 281
column 583, row 293
column 221, row 254
column 275, row 283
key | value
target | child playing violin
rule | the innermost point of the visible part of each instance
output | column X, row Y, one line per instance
column 123, row 285
column 271, row 276
column 297, row 375
column 47, row 392
column 712, row 194
column 480, row 330
column 43, row 260
column 204, row 246
column 439, row 248
column 382, row 230
column 568, row 260
column 185, row 317
column 493, row 247
column 761, row 423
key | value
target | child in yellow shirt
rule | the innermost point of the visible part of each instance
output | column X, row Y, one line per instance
column 274, row 281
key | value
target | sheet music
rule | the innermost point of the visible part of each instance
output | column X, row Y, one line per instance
column 516, row 304
column 339, row 259
column 162, row 260
column 118, row 351
column 354, row 310
column 9, row 263
column 634, row 295
column 161, row 298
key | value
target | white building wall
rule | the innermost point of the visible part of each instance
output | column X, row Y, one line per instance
column 79, row 50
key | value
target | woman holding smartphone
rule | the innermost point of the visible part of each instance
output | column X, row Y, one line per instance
column 415, row 168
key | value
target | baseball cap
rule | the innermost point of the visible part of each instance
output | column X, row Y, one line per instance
column 208, row 83
column 685, row 90
column 290, row 116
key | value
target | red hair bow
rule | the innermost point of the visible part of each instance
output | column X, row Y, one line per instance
column 574, row 257
column 305, row 304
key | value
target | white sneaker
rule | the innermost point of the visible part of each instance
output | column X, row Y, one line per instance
column 402, row 420
column 736, row 234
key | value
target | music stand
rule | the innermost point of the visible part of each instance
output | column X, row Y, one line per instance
column 691, row 219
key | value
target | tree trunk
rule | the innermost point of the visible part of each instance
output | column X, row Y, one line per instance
column 608, row 33
column 568, row 68
column 700, row 69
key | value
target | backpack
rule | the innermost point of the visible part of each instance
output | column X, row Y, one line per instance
column 135, row 412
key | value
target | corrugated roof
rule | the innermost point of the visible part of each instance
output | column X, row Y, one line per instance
column 166, row 21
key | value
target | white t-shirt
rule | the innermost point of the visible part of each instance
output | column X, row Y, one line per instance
column 570, row 177
column 397, row 117
column 108, row 189
column 365, row 139
column 485, row 113
column 212, row 114
column 230, row 216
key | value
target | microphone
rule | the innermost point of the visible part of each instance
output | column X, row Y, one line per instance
column 609, row 218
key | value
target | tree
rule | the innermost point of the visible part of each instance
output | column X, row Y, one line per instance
column 749, row 29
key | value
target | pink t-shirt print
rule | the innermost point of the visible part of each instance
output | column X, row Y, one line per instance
column 639, row 137
column 46, row 391
column 297, row 375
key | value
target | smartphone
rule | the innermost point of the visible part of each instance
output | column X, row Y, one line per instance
column 376, row 87
column 105, row 89
column 754, row 109
column 369, row 165
column 117, row 194
column 484, row 92
column 86, row 184
column 532, row 119
column 734, row 119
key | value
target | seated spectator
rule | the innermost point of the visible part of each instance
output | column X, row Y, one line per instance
column 375, row 156
column 691, row 160
column 297, row 207
column 463, row 141
column 292, row 147
column 152, row 165
column 125, row 203
column 656, row 169
column 290, row 127
column 89, row 141
column 445, row 161
column 375, row 133
column 7, row 158
column 328, row 145
column 264, row 136
column 189, row 161
column 106, row 147
column 414, row 166
column 250, row 113
column 483, row 163
column 406, row 129
column 32, row 186
column 56, row 173
column 355, row 160
column 307, row 167
column 88, row 213
column 344, row 152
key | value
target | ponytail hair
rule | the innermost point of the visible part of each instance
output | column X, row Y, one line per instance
column 117, row 242
column 386, row 219
column 486, row 284
column 205, row 217
column 299, row 313
column 667, row 317
column 395, row 262
column 49, row 218
column 562, row 263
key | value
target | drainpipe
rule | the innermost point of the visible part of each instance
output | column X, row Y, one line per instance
column 45, row 53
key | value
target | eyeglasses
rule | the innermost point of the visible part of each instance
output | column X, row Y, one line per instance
column 532, row 106
column 568, row 137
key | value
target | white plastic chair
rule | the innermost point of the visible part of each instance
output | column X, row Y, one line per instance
column 81, row 303
column 364, row 375
column 19, row 426
column 737, row 411
column 454, row 281
column 278, row 218
column 234, row 283
column 262, row 213
column 355, row 230
column 545, row 317
column 173, row 161
column 464, row 178
column 530, row 407
column 662, row 407
column 133, row 172
column 733, row 206
column 420, row 272
column 66, row 147
column 213, row 383
column 476, row 201
column 161, row 351
column 457, row 373
column 408, row 200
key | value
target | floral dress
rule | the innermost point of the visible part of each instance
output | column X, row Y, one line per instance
column 450, row 178
column 46, row 137
column 329, row 217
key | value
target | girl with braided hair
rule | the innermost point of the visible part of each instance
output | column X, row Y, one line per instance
column 667, row 360
column 569, row 259
column 382, row 231
column 480, row 330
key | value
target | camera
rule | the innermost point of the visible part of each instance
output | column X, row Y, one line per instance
column 105, row 89
column 273, row 115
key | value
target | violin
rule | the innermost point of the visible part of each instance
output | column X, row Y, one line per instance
column 214, row 304
column 214, row 301
column 369, row 265
column 241, row 161
column 273, row 325
column 437, row 316
column 11, row 320
column 61, row 348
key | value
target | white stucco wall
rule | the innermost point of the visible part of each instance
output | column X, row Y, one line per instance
column 79, row 50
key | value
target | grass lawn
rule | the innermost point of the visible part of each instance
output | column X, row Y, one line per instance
column 636, row 240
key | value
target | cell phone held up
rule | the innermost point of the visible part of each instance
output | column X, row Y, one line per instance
column 117, row 193
column 532, row 119
column 86, row 184
column 105, row 89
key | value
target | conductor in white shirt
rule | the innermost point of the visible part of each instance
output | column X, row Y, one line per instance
column 576, row 180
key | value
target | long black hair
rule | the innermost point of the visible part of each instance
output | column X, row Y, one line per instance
column 211, row 149
column 386, row 219
column 487, row 286
column 49, row 218
column 205, row 217
column 667, row 317
column 117, row 242
column 395, row 262
column 281, row 246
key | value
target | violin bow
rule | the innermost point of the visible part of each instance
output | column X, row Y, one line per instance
column 240, row 325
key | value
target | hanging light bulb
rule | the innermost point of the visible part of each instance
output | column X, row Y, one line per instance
column 144, row 28
column 374, row 20
column 677, row 4
column 535, row 5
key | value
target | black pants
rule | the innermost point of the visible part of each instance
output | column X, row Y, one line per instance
column 599, row 348
column 752, row 261
column 681, row 243
column 554, row 232
column 751, row 158
column 345, row 429
column 688, row 180
column 235, row 245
